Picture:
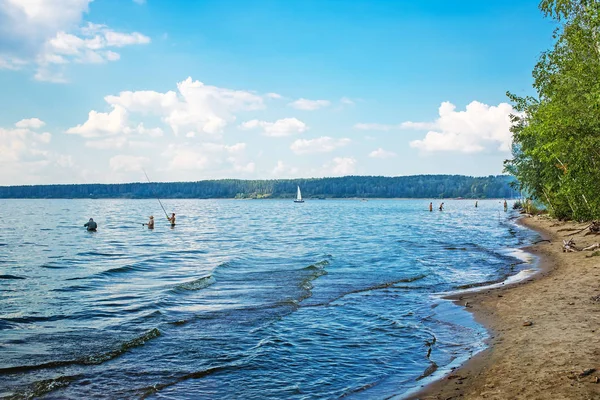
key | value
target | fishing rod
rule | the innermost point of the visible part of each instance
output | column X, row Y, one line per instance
column 159, row 202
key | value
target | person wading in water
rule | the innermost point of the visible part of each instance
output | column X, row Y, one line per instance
column 430, row 207
column 91, row 225
column 172, row 220
column 442, row 207
column 150, row 223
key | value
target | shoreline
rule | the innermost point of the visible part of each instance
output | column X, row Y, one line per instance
column 550, row 358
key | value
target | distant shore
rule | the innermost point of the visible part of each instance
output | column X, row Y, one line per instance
column 544, row 331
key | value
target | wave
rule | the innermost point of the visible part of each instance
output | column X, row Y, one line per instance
column 368, row 289
column 149, row 391
column 93, row 359
column 11, row 277
column 40, row 388
column 99, row 254
column 197, row 284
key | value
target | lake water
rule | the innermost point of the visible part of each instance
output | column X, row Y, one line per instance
column 242, row 299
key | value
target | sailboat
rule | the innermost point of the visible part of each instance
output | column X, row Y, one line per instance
column 299, row 197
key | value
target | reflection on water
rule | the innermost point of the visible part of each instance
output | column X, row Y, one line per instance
column 243, row 299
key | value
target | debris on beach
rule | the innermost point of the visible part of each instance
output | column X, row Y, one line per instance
column 569, row 246
column 527, row 323
column 587, row 372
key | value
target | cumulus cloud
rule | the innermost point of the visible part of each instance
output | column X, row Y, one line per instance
column 340, row 166
column 203, row 156
column 31, row 123
column 279, row 128
column 194, row 107
column 23, row 152
column 99, row 124
column 476, row 129
column 47, row 34
column 323, row 144
column 275, row 96
column 283, row 170
column 309, row 105
column 381, row 153
column 127, row 163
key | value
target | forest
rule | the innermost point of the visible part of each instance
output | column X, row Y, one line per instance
column 556, row 133
column 418, row 186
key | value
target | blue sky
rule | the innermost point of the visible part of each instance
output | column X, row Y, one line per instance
column 94, row 91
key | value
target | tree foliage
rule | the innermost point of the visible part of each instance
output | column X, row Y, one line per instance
column 419, row 186
column 556, row 136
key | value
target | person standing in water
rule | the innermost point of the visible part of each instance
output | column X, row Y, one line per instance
column 430, row 207
column 91, row 225
column 505, row 206
column 150, row 223
column 442, row 207
column 172, row 220
column 475, row 203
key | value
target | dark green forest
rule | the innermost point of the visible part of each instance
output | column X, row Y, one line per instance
column 418, row 186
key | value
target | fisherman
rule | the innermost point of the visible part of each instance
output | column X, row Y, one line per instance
column 430, row 206
column 505, row 206
column 91, row 225
column 172, row 220
column 442, row 207
column 150, row 223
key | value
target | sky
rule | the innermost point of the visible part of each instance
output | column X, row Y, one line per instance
column 96, row 91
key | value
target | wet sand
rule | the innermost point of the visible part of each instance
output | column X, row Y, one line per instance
column 544, row 332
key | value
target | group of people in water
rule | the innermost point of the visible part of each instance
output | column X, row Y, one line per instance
column 92, row 226
column 441, row 207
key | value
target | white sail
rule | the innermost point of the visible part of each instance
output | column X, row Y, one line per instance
column 299, row 195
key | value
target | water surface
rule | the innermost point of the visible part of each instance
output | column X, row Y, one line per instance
column 242, row 299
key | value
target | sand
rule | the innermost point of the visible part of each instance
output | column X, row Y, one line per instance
column 544, row 332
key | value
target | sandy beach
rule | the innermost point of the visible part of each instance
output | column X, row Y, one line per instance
column 544, row 332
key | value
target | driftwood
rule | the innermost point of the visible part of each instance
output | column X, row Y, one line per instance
column 595, row 227
column 581, row 230
column 592, row 247
column 569, row 247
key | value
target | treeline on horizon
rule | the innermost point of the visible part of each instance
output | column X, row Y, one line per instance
column 418, row 186
column 556, row 135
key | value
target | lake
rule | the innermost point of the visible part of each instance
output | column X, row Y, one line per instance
column 253, row 299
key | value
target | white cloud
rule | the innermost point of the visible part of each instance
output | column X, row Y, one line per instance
column 204, row 156
column 196, row 106
column 347, row 101
column 279, row 128
column 309, row 105
column 323, row 144
column 127, row 163
column 340, row 166
column 381, row 153
column 101, row 124
column 478, row 128
column 246, row 169
column 31, row 123
column 282, row 170
column 112, row 123
column 47, row 35
column 273, row 96
column 23, row 153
